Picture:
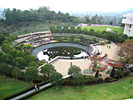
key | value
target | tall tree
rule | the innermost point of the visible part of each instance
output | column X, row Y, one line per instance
column 19, row 62
column 78, row 80
column 47, row 70
column 16, row 73
column 7, row 58
column 31, row 74
column 4, row 69
column 74, row 70
column 56, row 78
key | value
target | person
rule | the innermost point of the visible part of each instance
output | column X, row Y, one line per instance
column 35, row 87
column 119, row 82
column 38, row 87
column 131, row 81
column 70, row 63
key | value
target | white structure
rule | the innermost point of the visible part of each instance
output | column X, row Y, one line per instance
column 108, row 29
column 128, row 29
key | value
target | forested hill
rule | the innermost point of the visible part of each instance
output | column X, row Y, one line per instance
column 43, row 14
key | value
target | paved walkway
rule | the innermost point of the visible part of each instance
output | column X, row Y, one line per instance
column 33, row 90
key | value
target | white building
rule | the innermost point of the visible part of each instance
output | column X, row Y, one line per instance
column 128, row 29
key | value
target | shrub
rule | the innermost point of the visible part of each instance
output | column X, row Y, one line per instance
column 118, row 74
column 131, row 69
column 108, row 72
column 126, row 73
column 102, row 42
column 105, row 55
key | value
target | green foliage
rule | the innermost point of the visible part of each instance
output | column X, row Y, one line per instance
column 31, row 74
column 13, row 52
column 131, row 69
column 30, row 58
column 1, row 54
column 32, row 64
column 74, row 70
column 56, row 79
column 42, row 14
column 6, row 47
column 2, row 37
column 4, row 69
column 78, row 79
column 108, row 72
column 7, row 58
column 20, row 54
column 19, row 62
column 62, row 51
column 16, row 73
column 47, row 70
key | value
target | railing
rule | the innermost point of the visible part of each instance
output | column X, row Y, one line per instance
column 127, row 21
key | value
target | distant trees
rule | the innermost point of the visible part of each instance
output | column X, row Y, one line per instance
column 44, row 14
column 112, row 36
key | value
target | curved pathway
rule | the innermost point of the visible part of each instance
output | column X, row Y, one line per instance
column 35, row 51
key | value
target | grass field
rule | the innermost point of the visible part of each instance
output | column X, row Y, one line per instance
column 103, row 28
column 9, row 86
column 107, row 91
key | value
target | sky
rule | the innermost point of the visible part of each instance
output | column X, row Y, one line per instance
column 70, row 5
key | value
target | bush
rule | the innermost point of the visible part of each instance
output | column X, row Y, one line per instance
column 108, row 72
column 101, row 42
column 131, row 69
column 126, row 73
column 118, row 74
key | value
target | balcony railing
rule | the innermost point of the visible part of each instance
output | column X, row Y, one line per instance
column 125, row 21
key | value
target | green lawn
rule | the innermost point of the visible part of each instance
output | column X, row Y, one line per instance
column 107, row 91
column 103, row 28
column 9, row 86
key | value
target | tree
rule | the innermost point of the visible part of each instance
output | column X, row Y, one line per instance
column 19, row 62
column 16, row 73
column 6, row 47
column 47, row 70
column 7, row 58
column 78, row 30
column 32, row 64
column 87, row 19
column 1, row 54
column 20, row 54
column 56, row 78
column 78, row 79
column 74, row 70
column 13, row 52
column 2, row 37
column 30, row 58
column 127, row 48
column 31, row 74
column 111, row 23
column 4, row 69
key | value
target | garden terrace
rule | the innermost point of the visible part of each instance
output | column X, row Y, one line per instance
column 35, row 51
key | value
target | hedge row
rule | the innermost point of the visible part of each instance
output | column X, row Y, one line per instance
column 24, row 91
